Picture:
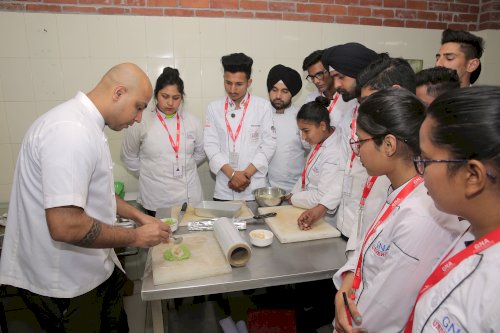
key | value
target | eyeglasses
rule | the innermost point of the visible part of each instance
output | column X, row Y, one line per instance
column 421, row 164
column 318, row 75
column 356, row 144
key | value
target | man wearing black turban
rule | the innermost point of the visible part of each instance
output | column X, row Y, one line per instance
column 288, row 161
column 345, row 62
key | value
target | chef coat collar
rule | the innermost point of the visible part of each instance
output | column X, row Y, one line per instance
column 331, row 138
column 274, row 110
column 232, row 104
column 392, row 193
column 93, row 111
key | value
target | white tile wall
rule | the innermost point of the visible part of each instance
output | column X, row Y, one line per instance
column 42, row 35
column 46, row 58
column 13, row 35
column 73, row 36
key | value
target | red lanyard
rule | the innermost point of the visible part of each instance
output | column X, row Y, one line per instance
column 353, row 134
column 309, row 160
column 235, row 136
column 446, row 266
column 412, row 184
column 175, row 145
column 367, row 189
column 332, row 104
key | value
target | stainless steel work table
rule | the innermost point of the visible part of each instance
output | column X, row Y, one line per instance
column 277, row 264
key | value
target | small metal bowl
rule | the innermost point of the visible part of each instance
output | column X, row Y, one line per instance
column 269, row 196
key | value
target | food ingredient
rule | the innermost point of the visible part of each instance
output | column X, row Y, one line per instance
column 169, row 221
column 259, row 234
column 177, row 252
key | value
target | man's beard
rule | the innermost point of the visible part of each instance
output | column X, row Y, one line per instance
column 280, row 105
column 346, row 96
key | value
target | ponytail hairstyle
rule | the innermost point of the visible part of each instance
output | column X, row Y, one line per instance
column 393, row 111
column 315, row 111
column 467, row 124
column 169, row 77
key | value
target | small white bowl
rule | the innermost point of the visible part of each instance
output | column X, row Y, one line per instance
column 172, row 222
column 261, row 237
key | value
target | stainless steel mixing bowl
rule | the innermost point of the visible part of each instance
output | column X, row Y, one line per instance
column 269, row 196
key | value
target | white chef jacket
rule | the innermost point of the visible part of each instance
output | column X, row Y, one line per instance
column 354, row 181
column 341, row 112
column 398, row 258
column 147, row 151
column 64, row 161
column 255, row 144
column 323, row 183
column 465, row 300
column 364, row 217
column 288, row 160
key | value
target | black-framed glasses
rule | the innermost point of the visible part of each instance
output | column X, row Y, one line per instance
column 421, row 163
column 356, row 144
column 319, row 75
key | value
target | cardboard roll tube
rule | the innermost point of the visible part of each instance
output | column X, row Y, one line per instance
column 236, row 250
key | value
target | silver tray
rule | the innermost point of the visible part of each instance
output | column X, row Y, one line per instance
column 217, row 208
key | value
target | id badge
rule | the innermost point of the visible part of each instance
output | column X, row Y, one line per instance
column 178, row 171
column 347, row 185
column 233, row 159
column 254, row 136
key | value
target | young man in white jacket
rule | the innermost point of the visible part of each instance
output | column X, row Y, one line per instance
column 338, row 109
column 283, row 83
column 239, row 135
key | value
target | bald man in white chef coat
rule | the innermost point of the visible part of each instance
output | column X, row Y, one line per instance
column 61, row 230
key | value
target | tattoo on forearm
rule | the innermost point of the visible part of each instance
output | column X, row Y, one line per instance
column 92, row 235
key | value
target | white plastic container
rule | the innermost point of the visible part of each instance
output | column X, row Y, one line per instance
column 217, row 209
column 261, row 237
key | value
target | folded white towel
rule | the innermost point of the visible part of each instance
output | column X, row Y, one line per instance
column 228, row 325
column 242, row 327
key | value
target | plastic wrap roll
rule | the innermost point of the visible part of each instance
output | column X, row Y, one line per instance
column 236, row 250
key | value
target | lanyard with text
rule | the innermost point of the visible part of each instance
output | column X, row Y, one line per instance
column 332, row 104
column 175, row 145
column 309, row 160
column 409, row 187
column 447, row 265
column 353, row 134
column 235, row 136
column 367, row 189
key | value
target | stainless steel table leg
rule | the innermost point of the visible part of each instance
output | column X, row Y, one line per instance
column 157, row 317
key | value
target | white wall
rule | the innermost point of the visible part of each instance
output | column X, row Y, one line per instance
column 46, row 58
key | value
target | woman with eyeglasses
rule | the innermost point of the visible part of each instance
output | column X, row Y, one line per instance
column 408, row 236
column 320, row 183
column 460, row 162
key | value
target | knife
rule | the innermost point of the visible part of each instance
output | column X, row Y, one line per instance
column 182, row 212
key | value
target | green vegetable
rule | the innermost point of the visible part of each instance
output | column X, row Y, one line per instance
column 177, row 252
column 169, row 221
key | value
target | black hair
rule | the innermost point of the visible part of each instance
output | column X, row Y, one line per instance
column 237, row 62
column 386, row 72
column 312, row 59
column 468, row 123
column 438, row 80
column 471, row 45
column 315, row 111
column 169, row 77
column 393, row 111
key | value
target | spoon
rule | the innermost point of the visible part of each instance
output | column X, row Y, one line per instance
column 177, row 239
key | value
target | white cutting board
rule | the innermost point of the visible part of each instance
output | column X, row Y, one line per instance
column 244, row 213
column 206, row 260
column 284, row 225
